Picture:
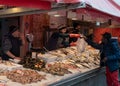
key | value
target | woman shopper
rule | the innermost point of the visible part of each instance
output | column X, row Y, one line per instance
column 110, row 54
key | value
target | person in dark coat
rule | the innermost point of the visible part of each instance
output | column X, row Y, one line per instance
column 90, row 37
column 63, row 38
column 76, row 30
column 52, row 42
column 110, row 55
column 11, row 44
column 58, row 39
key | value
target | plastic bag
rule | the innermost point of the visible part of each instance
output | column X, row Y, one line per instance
column 81, row 44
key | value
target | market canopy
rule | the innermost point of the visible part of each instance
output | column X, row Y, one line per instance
column 105, row 6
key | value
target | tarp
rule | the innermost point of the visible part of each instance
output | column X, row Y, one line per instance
column 106, row 6
column 41, row 4
column 116, row 3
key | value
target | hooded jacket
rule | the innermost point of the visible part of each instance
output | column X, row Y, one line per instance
column 109, row 50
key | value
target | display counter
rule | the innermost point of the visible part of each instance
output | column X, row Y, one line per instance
column 95, row 77
column 62, row 67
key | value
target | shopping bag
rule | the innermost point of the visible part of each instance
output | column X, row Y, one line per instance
column 81, row 44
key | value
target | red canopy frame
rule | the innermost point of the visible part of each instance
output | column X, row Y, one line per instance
column 68, row 1
column 42, row 4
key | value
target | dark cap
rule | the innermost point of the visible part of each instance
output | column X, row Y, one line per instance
column 12, row 29
column 107, row 35
column 62, row 27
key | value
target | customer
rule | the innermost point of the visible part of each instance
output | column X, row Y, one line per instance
column 110, row 54
column 90, row 37
column 11, row 44
column 63, row 38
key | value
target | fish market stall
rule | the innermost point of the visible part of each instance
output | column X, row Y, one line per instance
column 62, row 67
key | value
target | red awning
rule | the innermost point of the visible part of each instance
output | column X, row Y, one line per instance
column 49, row 0
column 42, row 4
column 68, row 1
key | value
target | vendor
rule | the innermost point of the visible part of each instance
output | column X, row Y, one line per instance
column 52, row 42
column 76, row 30
column 63, row 39
column 11, row 44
